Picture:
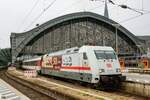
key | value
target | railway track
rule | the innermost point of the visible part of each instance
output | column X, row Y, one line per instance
column 114, row 94
column 32, row 94
column 118, row 94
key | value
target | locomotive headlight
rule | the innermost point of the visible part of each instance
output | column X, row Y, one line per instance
column 118, row 70
column 101, row 70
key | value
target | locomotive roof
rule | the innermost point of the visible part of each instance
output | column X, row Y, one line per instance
column 69, row 50
column 33, row 59
column 76, row 49
column 97, row 47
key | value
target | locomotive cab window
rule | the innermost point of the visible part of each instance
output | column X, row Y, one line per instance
column 99, row 54
column 110, row 55
column 104, row 54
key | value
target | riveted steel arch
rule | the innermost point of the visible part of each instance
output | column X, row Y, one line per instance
column 38, row 30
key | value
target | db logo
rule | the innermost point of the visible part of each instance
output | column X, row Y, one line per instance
column 109, row 65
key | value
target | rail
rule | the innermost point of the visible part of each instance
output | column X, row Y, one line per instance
column 62, row 90
column 56, row 91
column 22, row 89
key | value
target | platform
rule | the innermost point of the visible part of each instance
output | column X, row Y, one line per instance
column 7, row 92
column 136, row 77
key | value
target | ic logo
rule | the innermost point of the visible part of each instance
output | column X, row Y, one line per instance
column 67, row 61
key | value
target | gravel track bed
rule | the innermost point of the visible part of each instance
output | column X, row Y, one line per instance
column 32, row 94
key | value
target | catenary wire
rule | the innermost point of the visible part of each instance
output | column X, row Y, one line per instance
column 134, row 17
column 96, row 7
column 41, row 14
column 29, row 13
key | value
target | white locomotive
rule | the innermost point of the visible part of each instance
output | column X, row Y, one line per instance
column 91, row 64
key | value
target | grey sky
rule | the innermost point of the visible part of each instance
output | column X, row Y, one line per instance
column 13, row 12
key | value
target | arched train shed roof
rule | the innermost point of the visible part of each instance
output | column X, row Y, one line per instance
column 36, row 31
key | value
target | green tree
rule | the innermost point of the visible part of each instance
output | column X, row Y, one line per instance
column 5, row 56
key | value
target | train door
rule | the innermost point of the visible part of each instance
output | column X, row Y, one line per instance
column 84, row 68
column 84, row 60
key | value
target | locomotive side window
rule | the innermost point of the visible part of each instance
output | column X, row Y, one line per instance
column 104, row 54
column 85, row 56
column 76, row 50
